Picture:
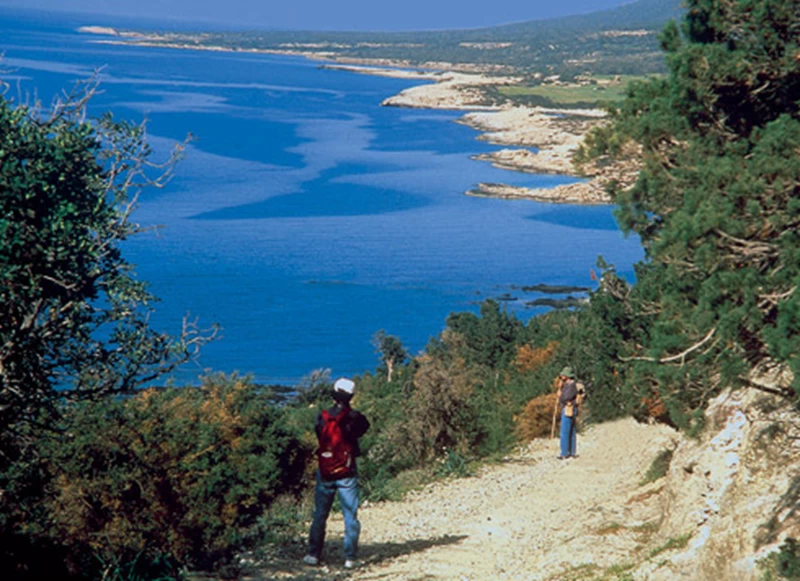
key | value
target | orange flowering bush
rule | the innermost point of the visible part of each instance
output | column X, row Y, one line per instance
column 530, row 358
column 536, row 418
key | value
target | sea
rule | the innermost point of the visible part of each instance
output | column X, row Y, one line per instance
column 305, row 217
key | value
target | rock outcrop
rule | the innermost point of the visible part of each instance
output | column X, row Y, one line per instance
column 451, row 90
column 585, row 193
column 735, row 492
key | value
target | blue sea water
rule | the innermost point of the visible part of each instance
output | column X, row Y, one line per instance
column 305, row 217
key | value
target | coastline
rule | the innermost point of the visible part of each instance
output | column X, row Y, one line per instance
column 540, row 140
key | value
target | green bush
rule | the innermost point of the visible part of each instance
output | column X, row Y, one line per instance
column 789, row 560
column 783, row 564
column 659, row 467
column 454, row 464
column 180, row 475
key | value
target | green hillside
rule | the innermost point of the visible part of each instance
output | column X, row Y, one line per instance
column 619, row 41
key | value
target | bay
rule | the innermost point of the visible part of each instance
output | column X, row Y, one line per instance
column 305, row 217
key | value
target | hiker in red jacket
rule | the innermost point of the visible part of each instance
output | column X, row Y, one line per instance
column 338, row 430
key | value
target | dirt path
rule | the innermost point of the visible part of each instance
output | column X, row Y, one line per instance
column 532, row 517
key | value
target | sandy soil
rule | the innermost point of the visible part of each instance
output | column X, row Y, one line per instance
column 530, row 518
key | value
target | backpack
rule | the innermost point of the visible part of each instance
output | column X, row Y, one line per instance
column 335, row 453
column 583, row 391
column 581, row 388
column 571, row 408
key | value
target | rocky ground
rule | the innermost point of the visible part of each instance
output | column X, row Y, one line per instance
column 530, row 517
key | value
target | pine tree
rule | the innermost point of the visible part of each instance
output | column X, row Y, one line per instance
column 717, row 203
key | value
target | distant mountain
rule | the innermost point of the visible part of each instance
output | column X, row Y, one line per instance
column 642, row 14
column 622, row 40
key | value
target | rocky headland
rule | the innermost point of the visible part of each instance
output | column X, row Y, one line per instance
column 539, row 140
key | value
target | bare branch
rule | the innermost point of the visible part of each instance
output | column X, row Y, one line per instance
column 775, row 298
column 749, row 247
column 680, row 356
column 60, row 283
column 782, row 391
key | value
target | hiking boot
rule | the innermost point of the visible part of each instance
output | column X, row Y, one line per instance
column 350, row 564
column 311, row 560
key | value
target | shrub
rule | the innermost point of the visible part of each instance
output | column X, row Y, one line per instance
column 453, row 464
column 183, row 472
column 530, row 358
column 385, row 447
column 789, row 560
column 536, row 419
column 783, row 564
column 659, row 467
column 441, row 415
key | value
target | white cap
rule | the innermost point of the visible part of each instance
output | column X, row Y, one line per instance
column 344, row 385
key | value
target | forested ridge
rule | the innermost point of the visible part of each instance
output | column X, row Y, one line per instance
column 100, row 478
column 618, row 41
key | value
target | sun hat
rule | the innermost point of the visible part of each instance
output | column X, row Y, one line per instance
column 345, row 385
column 567, row 372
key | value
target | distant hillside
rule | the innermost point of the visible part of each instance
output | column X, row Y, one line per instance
column 619, row 41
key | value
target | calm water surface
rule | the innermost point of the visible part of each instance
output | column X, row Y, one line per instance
column 305, row 217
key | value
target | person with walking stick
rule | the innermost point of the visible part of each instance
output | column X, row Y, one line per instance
column 567, row 400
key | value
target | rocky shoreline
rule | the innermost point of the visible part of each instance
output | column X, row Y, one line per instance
column 581, row 193
column 540, row 140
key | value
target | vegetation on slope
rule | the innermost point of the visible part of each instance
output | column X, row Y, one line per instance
column 618, row 41
column 716, row 206
column 187, row 478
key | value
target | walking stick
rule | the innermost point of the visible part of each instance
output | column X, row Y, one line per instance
column 555, row 414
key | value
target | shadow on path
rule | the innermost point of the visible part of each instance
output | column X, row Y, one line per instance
column 289, row 564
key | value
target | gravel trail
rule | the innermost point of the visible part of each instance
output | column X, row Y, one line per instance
column 531, row 517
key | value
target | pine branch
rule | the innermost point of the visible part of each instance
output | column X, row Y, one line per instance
column 680, row 356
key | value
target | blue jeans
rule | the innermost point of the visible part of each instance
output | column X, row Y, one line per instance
column 568, row 436
column 323, row 501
